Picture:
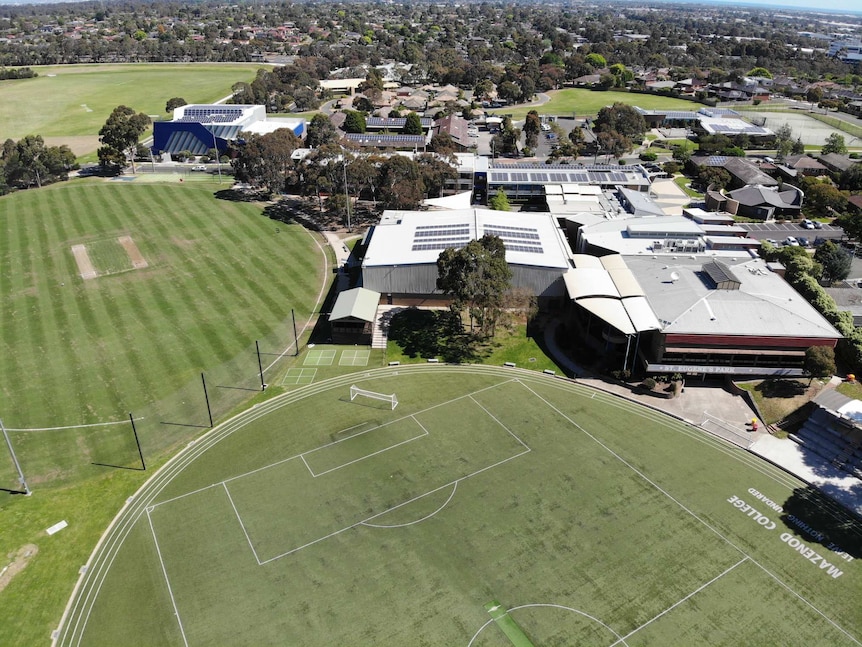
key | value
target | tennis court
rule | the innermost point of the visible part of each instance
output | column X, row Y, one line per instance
column 297, row 376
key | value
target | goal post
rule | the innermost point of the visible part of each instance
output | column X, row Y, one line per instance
column 387, row 397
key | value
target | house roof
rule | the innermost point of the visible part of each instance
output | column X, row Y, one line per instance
column 358, row 303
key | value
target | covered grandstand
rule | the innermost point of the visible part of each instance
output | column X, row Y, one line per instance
column 199, row 128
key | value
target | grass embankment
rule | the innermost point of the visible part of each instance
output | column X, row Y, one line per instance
column 777, row 399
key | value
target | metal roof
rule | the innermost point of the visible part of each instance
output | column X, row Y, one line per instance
column 358, row 303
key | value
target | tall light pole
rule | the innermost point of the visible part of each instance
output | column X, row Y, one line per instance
column 218, row 157
column 346, row 194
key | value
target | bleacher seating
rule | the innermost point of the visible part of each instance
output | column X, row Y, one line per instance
column 836, row 438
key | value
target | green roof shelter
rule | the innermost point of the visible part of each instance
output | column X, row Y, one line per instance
column 352, row 317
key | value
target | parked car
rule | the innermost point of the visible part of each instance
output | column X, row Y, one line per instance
column 199, row 167
column 807, row 224
column 790, row 240
column 771, row 241
column 803, row 241
column 818, row 224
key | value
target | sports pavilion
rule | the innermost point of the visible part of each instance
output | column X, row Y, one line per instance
column 198, row 128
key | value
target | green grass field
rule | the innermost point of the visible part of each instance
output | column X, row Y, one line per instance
column 79, row 353
column 315, row 520
column 583, row 103
column 75, row 100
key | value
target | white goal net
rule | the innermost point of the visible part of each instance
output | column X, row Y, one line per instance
column 391, row 398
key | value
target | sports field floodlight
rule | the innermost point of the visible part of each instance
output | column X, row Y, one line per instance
column 15, row 460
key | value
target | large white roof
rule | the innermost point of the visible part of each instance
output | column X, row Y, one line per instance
column 418, row 237
column 686, row 302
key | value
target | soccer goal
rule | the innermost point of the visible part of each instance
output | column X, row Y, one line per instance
column 355, row 390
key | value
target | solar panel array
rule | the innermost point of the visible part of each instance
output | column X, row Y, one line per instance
column 517, row 239
column 434, row 237
column 377, row 139
column 744, row 128
column 211, row 115
column 395, row 122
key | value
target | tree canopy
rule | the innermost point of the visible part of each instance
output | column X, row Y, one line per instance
column 119, row 136
column 413, row 125
column 175, row 102
column 621, row 118
column 834, row 144
column 835, row 261
column 320, row 131
column 476, row 276
column 819, row 361
column 29, row 161
column 264, row 161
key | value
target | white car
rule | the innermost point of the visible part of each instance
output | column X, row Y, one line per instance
column 807, row 224
column 546, row 127
column 199, row 167
column 790, row 240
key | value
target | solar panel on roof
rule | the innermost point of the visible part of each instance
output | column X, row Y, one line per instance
column 558, row 177
column 499, row 177
column 538, row 177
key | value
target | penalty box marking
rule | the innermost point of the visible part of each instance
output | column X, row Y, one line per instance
column 248, row 526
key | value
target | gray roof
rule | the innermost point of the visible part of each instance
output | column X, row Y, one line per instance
column 764, row 306
column 759, row 195
column 357, row 303
column 836, row 161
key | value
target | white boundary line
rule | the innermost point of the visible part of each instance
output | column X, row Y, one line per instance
column 73, row 623
column 92, row 424
column 301, row 375
column 691, row 513
column 494, row 418
column 678, row 602
column 362, row 458
column 411, row 523
column 167, row 580
column 553, row 606
column 241, row 524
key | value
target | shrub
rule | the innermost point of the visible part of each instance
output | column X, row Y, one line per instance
column 648, row 383
column 648, row 156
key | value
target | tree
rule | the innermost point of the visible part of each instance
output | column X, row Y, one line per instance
column 715, row 176
column 28, row 161
column 532, row 128
column 320, row 131
column 596, row 60
column 265, row 161
column 434, row 172
column 819, row 362
column 354, row 122
column 175, row 102
column 413, row 125
column 476, row 277
column 119, row 137
column 783, row 141
column 500, row 201
column 835, row 262
column 824, row 199
column 400, row 183
column 442, row 143
column 851, row 179
column 623, row 119
column 761, row 72
column 834, row 144
column 613, row 143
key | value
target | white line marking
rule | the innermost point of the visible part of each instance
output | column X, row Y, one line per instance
column 494, row 418
column 241, row 524
column 379, row 451
column 302, row 456
column 678, row 602
column 93, row 424
column 404, row 525
column 167, row 581
column 699, row 519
